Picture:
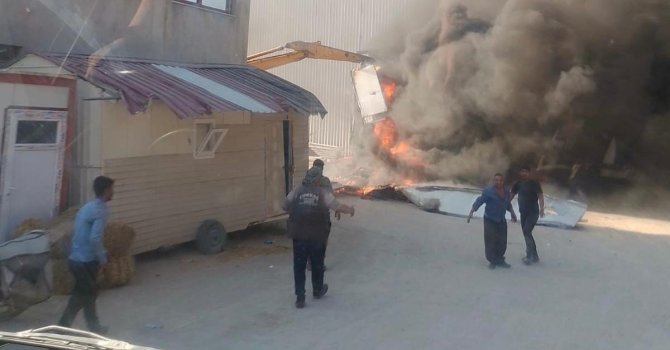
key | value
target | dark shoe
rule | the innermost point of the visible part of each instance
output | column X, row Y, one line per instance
column 300, row 302
column 527, row 261
column 504, row 265
column 319, row 294
column 536, row 259
column 492, row 266
column 100, row 330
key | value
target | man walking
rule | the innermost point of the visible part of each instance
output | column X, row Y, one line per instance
column 498, row 200
column 530, row 193
column 87, row 255
column 308, row 207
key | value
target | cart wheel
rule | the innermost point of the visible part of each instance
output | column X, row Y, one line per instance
column 211, row 237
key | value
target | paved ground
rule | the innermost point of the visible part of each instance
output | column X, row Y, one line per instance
column 401, row 279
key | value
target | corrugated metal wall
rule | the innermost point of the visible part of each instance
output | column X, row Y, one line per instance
column 345, row 24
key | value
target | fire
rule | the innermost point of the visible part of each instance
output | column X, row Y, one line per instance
column 354, row 191
column 365, row 190
column 389, row 88
column 401, row 148
column 386, row 133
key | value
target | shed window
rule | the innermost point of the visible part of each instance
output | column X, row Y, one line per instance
column 207, row 139
column 42, row 132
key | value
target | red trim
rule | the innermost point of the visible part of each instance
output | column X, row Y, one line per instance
column 71, row 84
column 36, row 80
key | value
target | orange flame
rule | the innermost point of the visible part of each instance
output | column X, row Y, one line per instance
column 386, row 133
column 401, row 148
column 389, row 89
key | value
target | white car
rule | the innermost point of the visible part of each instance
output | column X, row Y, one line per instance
column 54, row 337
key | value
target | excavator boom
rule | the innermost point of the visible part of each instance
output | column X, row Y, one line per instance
column 300, row 51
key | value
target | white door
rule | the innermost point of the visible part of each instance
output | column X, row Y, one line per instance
column 32, row 166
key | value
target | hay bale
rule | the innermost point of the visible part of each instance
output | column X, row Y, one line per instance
column 118, row 239
column 63, row 281
column 118, row 272
column 60, row 237
column 27, row 226
column 67, row 215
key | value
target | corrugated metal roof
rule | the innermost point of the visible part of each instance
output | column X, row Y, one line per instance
column 191, row 90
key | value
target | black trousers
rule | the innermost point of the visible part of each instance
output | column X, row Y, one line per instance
column 528, row 222
column 315, row 252
column 495, row 241
column 325, row 246
column 84, row 295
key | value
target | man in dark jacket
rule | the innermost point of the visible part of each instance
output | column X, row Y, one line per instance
column 530, row 194
column 309, row 208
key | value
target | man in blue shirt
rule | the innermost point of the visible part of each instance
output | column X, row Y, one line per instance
column 498, row 201
column 87, row 255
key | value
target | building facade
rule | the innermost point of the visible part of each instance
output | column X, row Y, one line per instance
column 198, row 31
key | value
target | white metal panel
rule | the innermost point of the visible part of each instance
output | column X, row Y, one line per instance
column 458, row 201
column 369, row 91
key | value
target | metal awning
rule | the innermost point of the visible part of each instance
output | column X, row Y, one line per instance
column 191, row 90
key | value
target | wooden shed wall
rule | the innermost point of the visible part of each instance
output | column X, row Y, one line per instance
column 164, row 193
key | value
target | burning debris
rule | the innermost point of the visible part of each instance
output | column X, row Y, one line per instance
column 479, row 87
column 386, row 192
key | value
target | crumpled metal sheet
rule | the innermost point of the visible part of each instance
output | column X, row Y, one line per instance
column 455, row 201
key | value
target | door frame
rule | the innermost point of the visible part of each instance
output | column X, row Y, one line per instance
column 9, row 148
column 69, row 82
column 289, row 166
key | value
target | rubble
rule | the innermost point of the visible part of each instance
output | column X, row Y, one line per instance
column 457, row 201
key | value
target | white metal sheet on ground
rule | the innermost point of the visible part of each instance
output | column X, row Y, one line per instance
column 458, row 201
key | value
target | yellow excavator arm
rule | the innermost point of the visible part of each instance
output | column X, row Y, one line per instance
column 300, row 51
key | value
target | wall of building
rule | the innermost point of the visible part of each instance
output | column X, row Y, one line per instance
column 152, row 29
column 345, row 24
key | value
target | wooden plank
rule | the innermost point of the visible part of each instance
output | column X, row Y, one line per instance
column 168, row 208
column 205, row 188
column 125, row 183
column 226, row 161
